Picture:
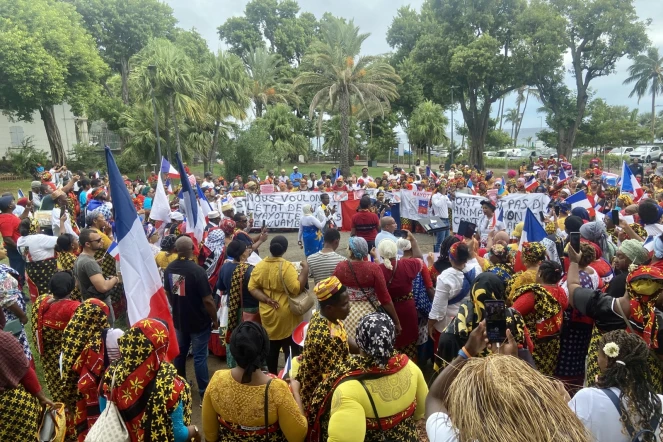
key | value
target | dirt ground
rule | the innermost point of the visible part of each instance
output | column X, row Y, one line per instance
column 294, row 253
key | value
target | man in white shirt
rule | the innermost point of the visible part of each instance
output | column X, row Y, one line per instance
column 283, row 177
column 323, row 212
column 388, row 226
column 441, row 204
column 365, row 176
column 488, row 222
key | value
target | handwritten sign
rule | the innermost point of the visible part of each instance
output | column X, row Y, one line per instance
column 514, row 207
column 467, row 208
column 284, row 210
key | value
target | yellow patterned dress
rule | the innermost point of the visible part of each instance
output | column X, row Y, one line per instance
column 66, row 262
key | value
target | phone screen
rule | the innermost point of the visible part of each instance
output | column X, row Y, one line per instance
column 471, row 229
column 495, row 320
column 30, row 195
column 557, row 210
column 400, row 233
column 615, row 217
column 263, row 223
column 574, row 240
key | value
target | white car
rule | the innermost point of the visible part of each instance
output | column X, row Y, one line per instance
column 490, row 154
column 646, row 153
column 621, row 151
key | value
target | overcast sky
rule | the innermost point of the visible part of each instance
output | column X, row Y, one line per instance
column 375, row 16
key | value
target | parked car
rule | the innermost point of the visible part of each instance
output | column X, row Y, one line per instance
column 646, row 153
column 621, row 151
column 491, row 154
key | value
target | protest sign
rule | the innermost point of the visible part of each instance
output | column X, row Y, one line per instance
column 414, row 204
column 467, row 208
column 284, row 210
column 266, row 188
column 514, row 207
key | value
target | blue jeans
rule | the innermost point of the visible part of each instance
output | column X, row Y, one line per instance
column 441, row 235
column 200, row 342
column 17, row 263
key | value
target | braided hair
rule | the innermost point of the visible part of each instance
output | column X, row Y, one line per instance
column 443, row 262
column 249, row 344
column 629, row 371
column 551, row 272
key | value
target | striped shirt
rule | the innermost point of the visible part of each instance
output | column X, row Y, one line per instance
column 322, row 265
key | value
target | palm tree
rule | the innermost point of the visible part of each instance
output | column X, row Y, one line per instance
column 335, row 73
column 427, row 126
column 228, row 94
column 647, row 73
column 268, row 80
column 512, row 116
column 285, row 132
column 523, row 97
column 174, row 81
column 529, row 141
column 331, row 132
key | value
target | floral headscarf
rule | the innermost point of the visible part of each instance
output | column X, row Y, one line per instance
column 644, row 286
column 168, row 243
column 227, row 226
column 376, row 336
column 358, row 246
column 533, row 252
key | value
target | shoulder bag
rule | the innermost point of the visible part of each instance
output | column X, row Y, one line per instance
column 267, row 409
column 379, row 307
column 299, row 304
column 653, row 423
column 383, row 438
column 110, row 426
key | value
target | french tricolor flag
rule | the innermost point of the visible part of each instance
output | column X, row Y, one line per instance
column 533, row 231
column 114, row 251
column 562, row 177
column 146, row 297
column 470, row 185
column 20, row 194
column 195, row 220
column 168, row 169
column 579, row 199
column 630, row 184
column 532, row 184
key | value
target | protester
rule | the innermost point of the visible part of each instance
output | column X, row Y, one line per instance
column 310, row 232
column 67, row 246
column 261, row 396
column 442, row 207
column 161, row 411
column 12, row 303
column 378, row 368
column 242, row 223
column 533, row 254
column 10, row 234
column 214, row 253
column 365, row 224
column 38, row 250
column 387, row 228
column 364, row 282
column 193, row 309
column 323, row 263
column 168, row 252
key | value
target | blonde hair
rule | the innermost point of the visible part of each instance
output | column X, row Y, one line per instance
column 387, row 250
column 500, row 398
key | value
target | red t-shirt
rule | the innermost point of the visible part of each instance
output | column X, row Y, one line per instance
column 9, row 226
column 366, row 224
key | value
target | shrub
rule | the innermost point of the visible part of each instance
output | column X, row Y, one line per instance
column 25, row 158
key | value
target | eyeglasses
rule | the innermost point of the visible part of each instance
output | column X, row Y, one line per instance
column 95, row 240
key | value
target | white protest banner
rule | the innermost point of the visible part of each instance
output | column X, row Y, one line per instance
column 514, row 207
column 414, row 204
column 467, row 208
column 240, row 205
column 284, row 209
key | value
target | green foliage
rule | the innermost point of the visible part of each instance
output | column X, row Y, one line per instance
column 86, row 157
column 607, row 125
column 498, row 139
column 427, row 126
column 333, row 135
column 248, row 150
column 284, row 130
column 269, row 83
column 193, row 45
column 647, row 74
column 25, row 158
column 381, row 134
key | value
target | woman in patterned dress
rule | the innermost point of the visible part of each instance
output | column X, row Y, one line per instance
column 234, row 403
column 339, row 409
column 50, row 315
column 542, row 304
column 12, row 301
column 68, row 248
column 20, row 392
column 532, row 255
column 38, row 251
column 83, row 355
column 153, row 400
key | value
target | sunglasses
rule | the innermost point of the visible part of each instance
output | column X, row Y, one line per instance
column 95, row 240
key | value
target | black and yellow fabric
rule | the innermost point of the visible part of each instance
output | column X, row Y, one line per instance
column 502, row 271
column 326, row 345
column 109, row 269
column 40, row 273
column 66, row 261
column 235, row 298
column 544, row 324
column 20, row 415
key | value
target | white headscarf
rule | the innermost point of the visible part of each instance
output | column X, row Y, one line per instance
column 307, row 210
column 387, row 250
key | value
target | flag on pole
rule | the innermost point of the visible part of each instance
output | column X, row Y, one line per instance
column 562, row 177
column 579, row 199
column 20, row 194
column 160, row 205
column 195, row 221
column 533, row 231
column 146, row 297
column 532, row 184
column 288, row 366
column 430, row 173
column 114, row 251
column 630, row 183
column 169, row 187
column 470, row 185
column 206, row 207
column 168, row 169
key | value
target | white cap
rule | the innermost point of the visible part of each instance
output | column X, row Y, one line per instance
column 295, row 167
column 176, row 216
column 214, row 214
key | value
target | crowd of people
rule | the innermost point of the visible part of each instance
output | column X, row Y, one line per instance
column 580, row 355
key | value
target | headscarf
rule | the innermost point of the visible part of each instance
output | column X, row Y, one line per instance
column 518, row 230
column 168, row 243
column 143, row 363
column 215, row 242
column 387, row 250
column 57, row 194
column 453, row 251
column 573, row 223
column 403, row 244
column 358, row 247
column 596, row 233
column 106, row 211
column 307, row 210
column 249, row 346
column 228, row 226
column 13, row 363
column 634, row 251
column 581, row 213
column 149, row 230
column 533, row 252
column 94, row 193
column 46, row 176
column 326, row 288
column 643, row 287
column 376, row 335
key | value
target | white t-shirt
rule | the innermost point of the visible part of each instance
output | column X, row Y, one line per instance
column 487, row 225
column 439, row 428
column 441, row 205
column 40, row 247
column 600, row 416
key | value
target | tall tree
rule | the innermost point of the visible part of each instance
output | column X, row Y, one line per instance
column 123, row 27
column 285, row 132
column 334, row 70
column 228, row 94
column 174, row 82
column 596, row 34
column 512, row 116
column 428, row 126
column 269, row 82
column 193, row 44
column 46, row 58
column 647, row 73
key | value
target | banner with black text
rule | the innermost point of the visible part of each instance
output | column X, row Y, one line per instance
column 283, row 210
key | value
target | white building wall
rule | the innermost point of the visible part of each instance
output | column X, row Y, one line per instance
column 65, row 120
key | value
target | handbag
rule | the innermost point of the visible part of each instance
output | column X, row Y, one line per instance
column 299, row 304
column 110, row 426
column 267, row 409
column 379, row 308
column 14, row 327
column 53, row 426
column 377, row 416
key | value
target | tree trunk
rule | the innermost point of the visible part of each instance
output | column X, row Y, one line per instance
column 344, row 108
column 124, row 74
column 212, row 151
column 53, row 134
column 653, row 116
column 520, row 118
column 429, row 147
column 258, row 109
column 500, row 112
column 477, row 125
column 171, row 106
